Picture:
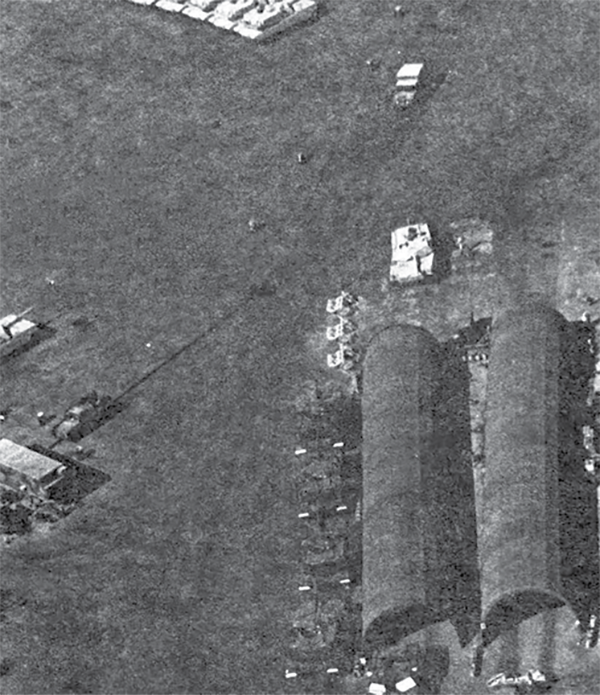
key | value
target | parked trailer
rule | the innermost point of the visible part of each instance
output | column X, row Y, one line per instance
column 407, row 81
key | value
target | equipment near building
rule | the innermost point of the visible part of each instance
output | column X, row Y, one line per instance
column 85, row 416
column 24, row 470
column 15, row 332
column 412, row 253
column 26, row 481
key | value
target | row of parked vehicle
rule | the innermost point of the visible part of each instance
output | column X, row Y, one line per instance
column 325, row 624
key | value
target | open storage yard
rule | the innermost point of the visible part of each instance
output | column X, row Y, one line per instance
column 154, row 200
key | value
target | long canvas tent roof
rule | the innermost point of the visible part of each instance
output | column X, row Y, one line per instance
column 419, row 528
column 25, row 461
column 520, row 539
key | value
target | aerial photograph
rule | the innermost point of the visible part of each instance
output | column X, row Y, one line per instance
column 299, row 347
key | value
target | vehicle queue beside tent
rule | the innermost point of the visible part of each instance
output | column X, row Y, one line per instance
column 410, row 562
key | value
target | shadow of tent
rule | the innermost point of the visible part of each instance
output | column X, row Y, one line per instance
column 443, row 246
column 82, row 481
column 79, row 480
column 579, row 566
column 505, row 614
column 44, row 332
column 578, row 517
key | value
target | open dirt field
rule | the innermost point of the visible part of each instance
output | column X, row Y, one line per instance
column 136, row 147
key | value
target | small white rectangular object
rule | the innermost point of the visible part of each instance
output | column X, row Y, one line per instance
column 304, row 588
column 234, row 9
column 221, row 22
column 338, row 445
column 206, row 5
column 195, row 13
column 405, row 685
column 412, row 253
column 299, row 451
column 244, row 30
column 410, row 70
column 142, row 2
column 303, row 5
column 169, row 6
column 270, row 15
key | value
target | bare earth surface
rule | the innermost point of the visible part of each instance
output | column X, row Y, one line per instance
column 136, row 146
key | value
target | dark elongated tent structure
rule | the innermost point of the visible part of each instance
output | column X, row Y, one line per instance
column 411, row 522
column 520, row 533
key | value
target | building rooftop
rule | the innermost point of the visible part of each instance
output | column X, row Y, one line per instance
column 27, row 462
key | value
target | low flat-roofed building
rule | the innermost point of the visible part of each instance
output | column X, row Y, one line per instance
column 24, row 469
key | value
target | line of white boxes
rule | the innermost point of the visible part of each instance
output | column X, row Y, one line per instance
column 342, row 307
column 253, row 19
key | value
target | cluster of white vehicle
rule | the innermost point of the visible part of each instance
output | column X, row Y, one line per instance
column 343, row 331
column 253, row 19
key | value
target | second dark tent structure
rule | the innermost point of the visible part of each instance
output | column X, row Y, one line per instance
column 520, row 534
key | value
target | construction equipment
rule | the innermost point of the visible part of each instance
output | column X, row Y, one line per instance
column 16, row 331
column 86, row 415
column 412, row 253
